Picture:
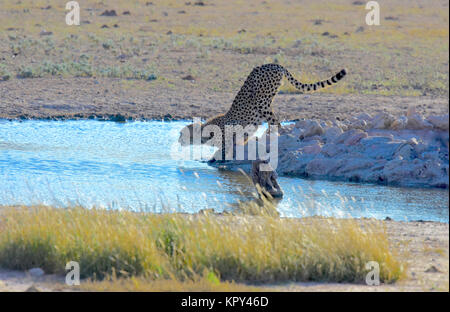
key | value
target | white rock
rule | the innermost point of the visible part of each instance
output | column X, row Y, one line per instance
column 413, row 141
column 421, row 148
column 382, row 121
column 323, row 124
column 431, row 155
column 331, row 149
column 288, row 141
column 378, row 147
column 399, row 123
column 286, row 129
column 388, row 151
column 328, row 124
column 364, row 116
column 406, row 152
column 351, row 137
column 355, row 138
column 312, row 149
column 338, row 123
column 312, row 128
column 352, row 165
column 320, row 167
column 302, row 123
column 357, row 124
column 332, row 133
column 345, row 135
column 416, row 121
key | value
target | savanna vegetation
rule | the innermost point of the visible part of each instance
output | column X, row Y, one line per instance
column 203, row 249
column 216, row 44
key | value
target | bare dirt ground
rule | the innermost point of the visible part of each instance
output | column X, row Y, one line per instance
column 184, row 59
column 216, row 47
column 425, row 245
column 58, row 98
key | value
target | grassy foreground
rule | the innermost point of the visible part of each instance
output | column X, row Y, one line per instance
column 192, row 247
column 142, row 284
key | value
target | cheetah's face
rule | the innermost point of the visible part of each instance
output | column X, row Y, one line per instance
column 194, row 134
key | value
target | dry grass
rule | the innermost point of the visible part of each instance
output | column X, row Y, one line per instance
column 406, row 55
column 144, row 284
column 191, row 247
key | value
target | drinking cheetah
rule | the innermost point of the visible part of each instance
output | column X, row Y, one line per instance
column 253, row 104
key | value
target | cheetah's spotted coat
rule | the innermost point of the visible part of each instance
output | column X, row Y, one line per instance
column 253, row 103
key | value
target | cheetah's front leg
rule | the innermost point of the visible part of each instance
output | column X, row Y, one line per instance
column 221, row 151
column 272, row 120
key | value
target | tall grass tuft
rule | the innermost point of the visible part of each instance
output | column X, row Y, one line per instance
column 183, row 247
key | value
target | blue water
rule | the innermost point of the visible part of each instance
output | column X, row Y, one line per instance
column 136, row 166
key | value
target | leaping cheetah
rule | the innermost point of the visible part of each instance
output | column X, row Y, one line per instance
column 253, row 103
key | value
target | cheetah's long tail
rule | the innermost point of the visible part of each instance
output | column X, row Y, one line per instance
column 310, row 87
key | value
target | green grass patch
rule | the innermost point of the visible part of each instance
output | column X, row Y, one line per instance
column 5, row 74
column 84, row 69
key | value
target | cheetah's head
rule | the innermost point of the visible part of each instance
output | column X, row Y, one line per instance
column 195, row 134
